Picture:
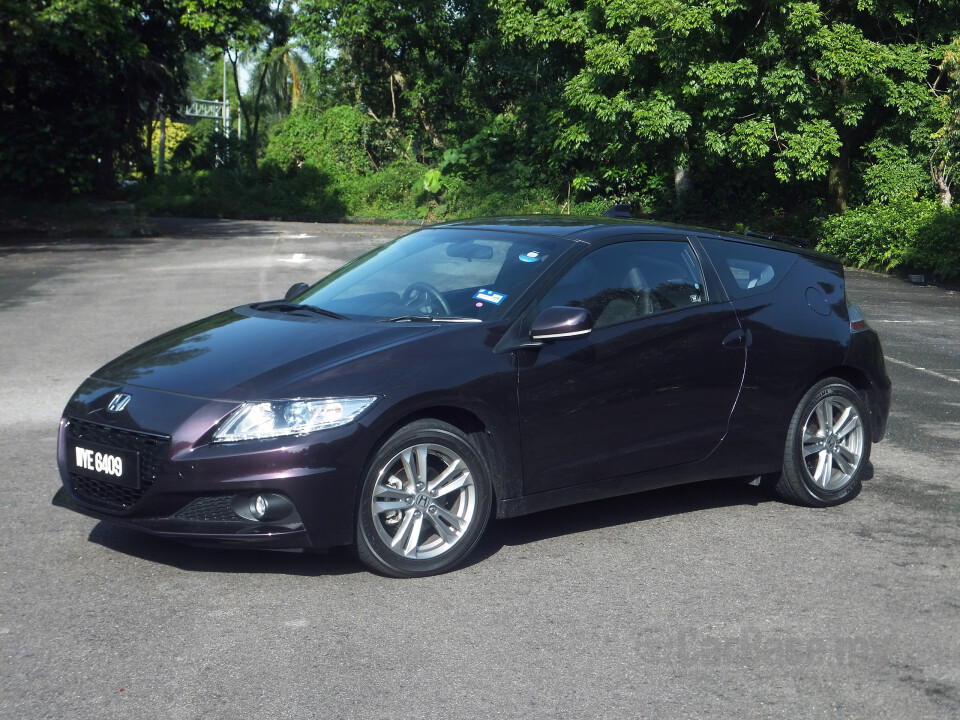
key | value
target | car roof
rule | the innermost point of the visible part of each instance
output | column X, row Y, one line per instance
column 589, row 229
column 584, row 228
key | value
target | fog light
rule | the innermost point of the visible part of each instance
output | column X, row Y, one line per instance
column 266, row 507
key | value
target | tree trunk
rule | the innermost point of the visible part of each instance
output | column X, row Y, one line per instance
column 682, row 178
column 946, row 198
column 682, row 184
column 241, row 108
column 162, row 145
column 838, row 180
column 150, row 169
column 941, row 172
column 261, row 85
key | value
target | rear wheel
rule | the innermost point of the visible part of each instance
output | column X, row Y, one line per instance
column 827, row 447
column 425, row 501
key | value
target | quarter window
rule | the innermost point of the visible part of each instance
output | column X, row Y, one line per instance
column 748, row 269
column 622, row 282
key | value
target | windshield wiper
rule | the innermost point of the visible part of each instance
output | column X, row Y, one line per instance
column 284, row 306
column 431, row 318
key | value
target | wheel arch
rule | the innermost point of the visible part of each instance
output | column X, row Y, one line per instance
column 857, row 378
column 489, row 444
column 861, row 383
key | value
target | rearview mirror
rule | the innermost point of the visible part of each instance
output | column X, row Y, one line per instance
column 470, row 251
column 561, row 323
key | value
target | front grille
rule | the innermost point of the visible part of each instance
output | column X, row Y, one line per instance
column 209, row 509
column 107, row 495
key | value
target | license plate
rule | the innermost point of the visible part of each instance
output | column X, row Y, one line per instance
column 120, row 467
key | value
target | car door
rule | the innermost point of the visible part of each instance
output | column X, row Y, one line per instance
column 654, row 383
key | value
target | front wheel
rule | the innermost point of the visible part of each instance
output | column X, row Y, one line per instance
column 424, row 503
column 827, row 448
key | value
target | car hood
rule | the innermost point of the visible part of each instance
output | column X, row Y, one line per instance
column 243, row 354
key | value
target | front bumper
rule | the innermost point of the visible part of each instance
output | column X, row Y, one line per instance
column 197, row 491
column 213, row 530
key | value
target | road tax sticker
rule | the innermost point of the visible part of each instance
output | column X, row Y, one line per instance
column 490, row 296
column 532, row 256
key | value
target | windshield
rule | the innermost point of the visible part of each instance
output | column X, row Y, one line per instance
column 438, row 273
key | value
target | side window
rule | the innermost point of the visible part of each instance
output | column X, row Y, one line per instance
column 619, row 283
column 748, row 269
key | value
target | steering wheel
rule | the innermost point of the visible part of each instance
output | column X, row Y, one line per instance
column 424, row 298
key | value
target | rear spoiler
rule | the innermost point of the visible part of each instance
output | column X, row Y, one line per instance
column 785, row 239
column 620, row 210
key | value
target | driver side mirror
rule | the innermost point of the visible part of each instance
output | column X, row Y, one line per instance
column 295, row 290
column 561, row 323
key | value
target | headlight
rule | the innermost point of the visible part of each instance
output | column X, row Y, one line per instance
column 262, row 420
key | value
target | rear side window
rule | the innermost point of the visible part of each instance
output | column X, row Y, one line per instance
column 747, row 269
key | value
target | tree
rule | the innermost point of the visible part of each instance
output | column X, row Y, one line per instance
column 405, row 65
column 946, row 139
column 80, row 80
column 245, row 30
column 796, row 86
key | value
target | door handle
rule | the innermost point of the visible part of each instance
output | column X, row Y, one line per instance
column 738, row 339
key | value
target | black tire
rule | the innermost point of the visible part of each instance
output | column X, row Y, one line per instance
column 829, row 468
column 424, row 503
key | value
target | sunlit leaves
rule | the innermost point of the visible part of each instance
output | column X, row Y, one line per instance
column 222, row 22
column 745, row 142
column 806, row 152
column 738, row 81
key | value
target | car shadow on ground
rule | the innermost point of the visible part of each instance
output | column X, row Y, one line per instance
column 338, row 561
column 626, row 509
column 568, row 520
column 616, row 511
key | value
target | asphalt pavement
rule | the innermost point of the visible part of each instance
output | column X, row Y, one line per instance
column 705, row 601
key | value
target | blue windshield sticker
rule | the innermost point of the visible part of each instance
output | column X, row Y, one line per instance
column 490, row 296
column 532, row 256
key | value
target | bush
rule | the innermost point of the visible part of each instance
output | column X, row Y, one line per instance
column 905, row 234
column 394, row 192
column 937, row 245
column 307, row 194
column 335, row 140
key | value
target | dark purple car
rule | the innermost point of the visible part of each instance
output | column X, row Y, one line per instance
column 483, row 368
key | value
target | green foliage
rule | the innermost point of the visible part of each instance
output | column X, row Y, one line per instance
column 307, row 194
column 340, row 140
column 711, row 111
column 396, row 191
column 224, row 22
column 432, row 181
column 795, row 87
column 892, row 172
column 407, row 64
column 81, row 78
column 908, row 234
column 205, row 149
column 937, row 245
